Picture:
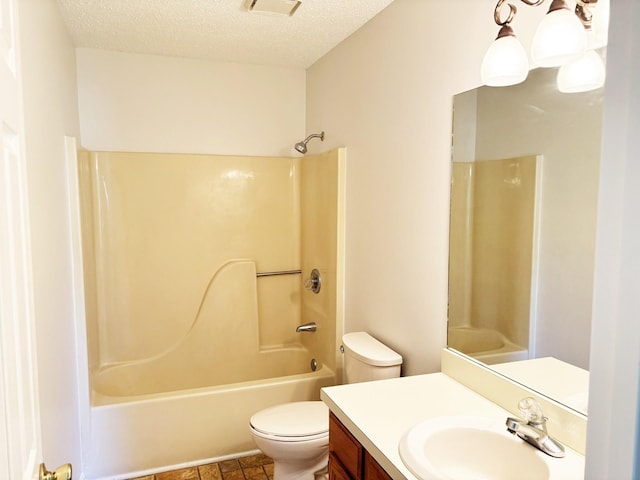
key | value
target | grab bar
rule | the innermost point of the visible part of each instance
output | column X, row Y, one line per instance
column 281, row 272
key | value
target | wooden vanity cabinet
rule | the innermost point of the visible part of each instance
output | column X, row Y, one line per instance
column 348, row 460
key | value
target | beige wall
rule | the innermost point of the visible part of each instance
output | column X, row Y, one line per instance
column 146, row 103
column 50, row 113
column 386, row 92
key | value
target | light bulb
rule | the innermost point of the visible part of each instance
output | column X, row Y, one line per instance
column 505, row 62
column 581, row 75
column 560, row 38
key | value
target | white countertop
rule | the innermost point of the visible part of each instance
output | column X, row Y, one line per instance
column 379, row 413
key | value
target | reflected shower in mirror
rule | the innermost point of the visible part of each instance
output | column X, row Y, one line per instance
column 523, row 220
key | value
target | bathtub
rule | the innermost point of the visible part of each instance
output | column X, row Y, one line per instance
column 191, row 404
column 139, row 435
column 485, row 345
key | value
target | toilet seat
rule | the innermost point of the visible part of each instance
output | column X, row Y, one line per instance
column 292, row 422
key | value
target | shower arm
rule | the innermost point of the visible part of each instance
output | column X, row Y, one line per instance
column 314, row 135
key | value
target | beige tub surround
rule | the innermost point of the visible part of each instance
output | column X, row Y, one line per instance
column 380, row 413
column 194, row 274
column 485, row 345
column 493, row 246
column 164, row 225
column 176, row 247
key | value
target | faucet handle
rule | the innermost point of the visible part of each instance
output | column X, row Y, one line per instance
column 531, row 411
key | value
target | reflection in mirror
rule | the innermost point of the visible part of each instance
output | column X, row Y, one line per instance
column 523, row 219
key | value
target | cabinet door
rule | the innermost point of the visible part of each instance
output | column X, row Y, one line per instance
column 345, row 448
column 373, row 470
column 336, row 471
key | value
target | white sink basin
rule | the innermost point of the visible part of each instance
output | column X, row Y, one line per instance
column 477, row 448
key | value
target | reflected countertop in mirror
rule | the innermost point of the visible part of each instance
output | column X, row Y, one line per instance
column 524, row 197
column 566, row 383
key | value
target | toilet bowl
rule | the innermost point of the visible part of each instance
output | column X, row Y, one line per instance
column 296, row 435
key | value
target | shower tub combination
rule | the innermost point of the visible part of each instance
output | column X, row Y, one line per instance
column 139, row 434
column 180, row 358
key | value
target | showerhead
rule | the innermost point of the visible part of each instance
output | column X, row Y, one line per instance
column 302, row 146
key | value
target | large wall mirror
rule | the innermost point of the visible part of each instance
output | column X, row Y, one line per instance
column 523, row 221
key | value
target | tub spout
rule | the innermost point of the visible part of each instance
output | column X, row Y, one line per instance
column 307, row 327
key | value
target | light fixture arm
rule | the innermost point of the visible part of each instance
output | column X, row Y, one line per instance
column 498, row 18
column 533, row 3
column 583, row 10
column 512, row 10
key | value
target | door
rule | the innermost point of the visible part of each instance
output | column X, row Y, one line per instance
column 20, row 445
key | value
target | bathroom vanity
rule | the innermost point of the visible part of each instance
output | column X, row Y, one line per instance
column 348, row 459
column 369, row 420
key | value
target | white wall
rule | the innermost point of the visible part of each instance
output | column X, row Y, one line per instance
column 386, row 93
column 147, row 103
column 50, row 110
column 612, row 435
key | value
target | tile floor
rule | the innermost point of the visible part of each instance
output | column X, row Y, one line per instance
column 255, row 467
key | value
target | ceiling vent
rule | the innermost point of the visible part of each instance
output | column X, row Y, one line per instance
column 274, row 7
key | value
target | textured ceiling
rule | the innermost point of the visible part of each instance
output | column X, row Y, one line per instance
column 221, row 30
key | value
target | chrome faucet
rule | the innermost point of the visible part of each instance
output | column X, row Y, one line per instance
column 533, row 429
column 307, row 327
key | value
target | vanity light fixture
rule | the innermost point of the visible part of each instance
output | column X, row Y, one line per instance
column 560, row 39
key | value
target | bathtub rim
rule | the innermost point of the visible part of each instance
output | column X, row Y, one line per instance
column 138, row 436
column 102, row 401
column 508, row 352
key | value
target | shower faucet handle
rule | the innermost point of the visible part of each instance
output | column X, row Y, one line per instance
column 314, row 282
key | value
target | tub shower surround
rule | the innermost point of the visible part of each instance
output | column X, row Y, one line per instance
column 493, row 245
column 186, row 338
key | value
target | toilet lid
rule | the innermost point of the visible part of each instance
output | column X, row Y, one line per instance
column 298, row 419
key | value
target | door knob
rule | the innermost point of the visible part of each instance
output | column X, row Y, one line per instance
column 60, row 473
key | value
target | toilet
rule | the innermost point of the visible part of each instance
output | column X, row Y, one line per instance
column 296, row 435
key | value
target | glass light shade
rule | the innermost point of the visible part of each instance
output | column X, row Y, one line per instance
column 505, row 63
column 581, row 75
column 560, row 38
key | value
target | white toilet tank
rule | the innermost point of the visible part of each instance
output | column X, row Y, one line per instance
column 366, row 359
